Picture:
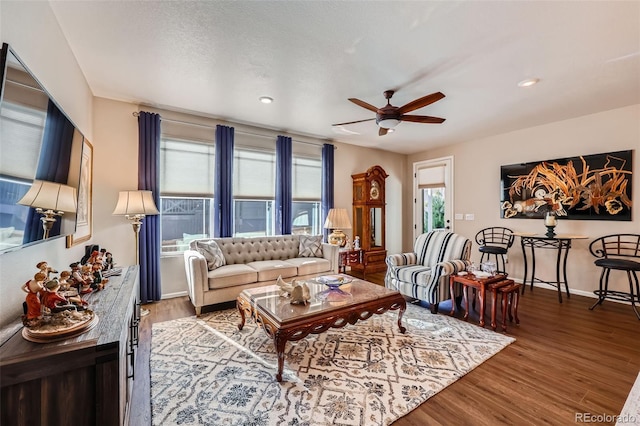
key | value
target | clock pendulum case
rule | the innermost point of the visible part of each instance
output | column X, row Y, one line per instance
column 369, row 219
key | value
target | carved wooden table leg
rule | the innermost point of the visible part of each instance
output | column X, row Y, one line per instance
column 240, row 306
column 279, row 341
column 403, row 307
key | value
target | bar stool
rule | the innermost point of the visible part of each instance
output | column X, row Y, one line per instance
column 618, row 252
column 495, row 241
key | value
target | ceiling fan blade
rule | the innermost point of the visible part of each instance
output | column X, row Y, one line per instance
column 353, row 122
column 421, row 119
column 419, row 103
column 382, row 131
column 363, row 104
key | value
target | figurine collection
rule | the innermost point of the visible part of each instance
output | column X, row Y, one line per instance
column 50, row 295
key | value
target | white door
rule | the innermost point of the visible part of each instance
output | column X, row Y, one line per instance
column 433, row 195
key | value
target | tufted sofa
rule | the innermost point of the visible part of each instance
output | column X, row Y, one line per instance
column 251, row 262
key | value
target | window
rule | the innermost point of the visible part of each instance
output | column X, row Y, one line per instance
column 254, row 180
column 187, row 172
column 186, row 186
column 21, row 130
column 306, row 175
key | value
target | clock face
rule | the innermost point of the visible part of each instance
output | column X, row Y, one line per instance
column 374, row 193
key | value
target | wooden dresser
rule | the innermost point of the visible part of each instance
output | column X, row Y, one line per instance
column 83, row 380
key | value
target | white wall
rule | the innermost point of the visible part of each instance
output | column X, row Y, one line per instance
column 46, row 53
column 477, row 186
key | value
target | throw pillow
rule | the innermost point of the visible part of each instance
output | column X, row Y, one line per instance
column 310, row 246
column 212, row 253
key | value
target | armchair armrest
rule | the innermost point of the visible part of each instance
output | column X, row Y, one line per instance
column 401, row 259
column 331, row 253
column 195, row 266
column 449, row 267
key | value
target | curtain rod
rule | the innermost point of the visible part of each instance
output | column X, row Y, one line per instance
column 136, row 114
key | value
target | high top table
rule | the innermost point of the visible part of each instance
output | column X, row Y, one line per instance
column 559, row 242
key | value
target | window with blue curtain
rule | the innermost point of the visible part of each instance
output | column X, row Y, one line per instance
column 306, row 176
column 186, row 189
column 187, row 184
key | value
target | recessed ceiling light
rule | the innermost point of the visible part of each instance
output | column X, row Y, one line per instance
column 265, row 99
column 528, row 82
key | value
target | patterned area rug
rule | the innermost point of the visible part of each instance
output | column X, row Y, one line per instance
column 206, row 372
column 630, row 414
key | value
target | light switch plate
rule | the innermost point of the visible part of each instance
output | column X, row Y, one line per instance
column 469, row 216
column 459, row 216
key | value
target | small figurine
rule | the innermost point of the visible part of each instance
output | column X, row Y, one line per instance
column 98, row 281
column 87, row 278
column 33, row 288
column 45, row 268
column 52, row 300
column 347, row 246
column 108, row 261
column 76, row 275
column 356, row 243
column 299, row 293
column 94, row 257
column 65, row 276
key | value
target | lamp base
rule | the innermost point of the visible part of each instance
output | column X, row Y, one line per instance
column 550, row 231
column 338, row 238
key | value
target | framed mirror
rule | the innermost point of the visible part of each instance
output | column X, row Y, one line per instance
column 38, row 143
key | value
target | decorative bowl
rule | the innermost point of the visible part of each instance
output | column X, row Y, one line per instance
column 333, row 281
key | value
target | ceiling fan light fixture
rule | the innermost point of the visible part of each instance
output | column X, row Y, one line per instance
column 265, row 99
column 388, row 123
column 528, row 82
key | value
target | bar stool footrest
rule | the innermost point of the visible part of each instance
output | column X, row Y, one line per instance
column 617, row 295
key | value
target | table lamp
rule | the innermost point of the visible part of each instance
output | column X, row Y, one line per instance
column 337, row 220
column 50, row 199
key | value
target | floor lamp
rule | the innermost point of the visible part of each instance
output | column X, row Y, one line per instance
column 135, row 205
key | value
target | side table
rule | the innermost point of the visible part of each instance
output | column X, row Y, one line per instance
column 348, row 257
column 481, row 284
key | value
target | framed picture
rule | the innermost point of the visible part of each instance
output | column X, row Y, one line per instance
column 587, row 187
column 84, row 215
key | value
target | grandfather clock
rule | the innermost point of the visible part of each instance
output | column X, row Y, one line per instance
column 369, row 219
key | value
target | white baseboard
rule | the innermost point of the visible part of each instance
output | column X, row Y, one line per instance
column 172, row 295
column 577, row 292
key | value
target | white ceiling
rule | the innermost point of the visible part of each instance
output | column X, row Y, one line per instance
column 217, row 58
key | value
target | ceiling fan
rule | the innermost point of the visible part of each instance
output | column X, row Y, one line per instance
column 390, row 116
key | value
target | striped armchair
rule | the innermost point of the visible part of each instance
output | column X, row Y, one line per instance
column 423, row 273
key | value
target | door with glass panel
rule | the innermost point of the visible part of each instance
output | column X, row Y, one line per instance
column 433, row 195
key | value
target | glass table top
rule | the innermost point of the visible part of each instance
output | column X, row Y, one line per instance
column 322, row 300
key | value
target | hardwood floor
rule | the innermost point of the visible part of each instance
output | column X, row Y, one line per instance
column 566, row 360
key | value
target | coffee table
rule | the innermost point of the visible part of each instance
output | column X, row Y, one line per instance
column 284, row 322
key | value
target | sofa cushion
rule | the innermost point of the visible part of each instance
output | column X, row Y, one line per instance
column 231, row 275
column 269, row 270
column 212, row 253
column 310, row 246
column 310, row 265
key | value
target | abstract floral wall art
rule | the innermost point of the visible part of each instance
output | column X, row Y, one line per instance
column 591, row 187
